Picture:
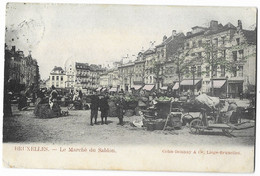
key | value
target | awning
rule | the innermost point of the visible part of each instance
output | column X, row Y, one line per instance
column 148, row 87
column 189, row 82
column 217, row 83
column 98, row 89
column 164, row 88
column 137, row 87
column 113, row 89
column 104, row 89
column 176, row 86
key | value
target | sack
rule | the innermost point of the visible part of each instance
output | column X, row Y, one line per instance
column 210, row 102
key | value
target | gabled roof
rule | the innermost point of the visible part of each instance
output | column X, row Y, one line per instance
column 250, row 36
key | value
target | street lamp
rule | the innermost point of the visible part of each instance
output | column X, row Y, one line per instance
column 193, row 70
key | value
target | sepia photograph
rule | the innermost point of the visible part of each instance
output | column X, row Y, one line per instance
column 126, row 87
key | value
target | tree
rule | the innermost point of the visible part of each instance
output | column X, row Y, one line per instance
column 182, row 64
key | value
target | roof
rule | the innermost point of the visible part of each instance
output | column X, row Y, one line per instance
column 165, row 42
column 194, row 35
column 82, row 65
column 149, row 51
column 208, row 31
column 250, row 36
column 221, row 28
column 57, row 69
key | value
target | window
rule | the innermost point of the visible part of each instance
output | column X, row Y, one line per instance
column 61, row 78
column 199, row 54
column 240, row 71
column 215, row 71
column 224, row 53
column 200, row 43
column 241, row 54
column 187, row 45
column 207, row 71
column 52, row 77
column 199, row 71
column 223, row 70
column 57, row 84
column 223, row 40
column 216, row 42
column 234, row 69
column 57, row 78
column 238, row 41
column 234, row 53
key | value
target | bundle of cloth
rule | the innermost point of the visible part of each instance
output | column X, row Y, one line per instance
column 207, row 102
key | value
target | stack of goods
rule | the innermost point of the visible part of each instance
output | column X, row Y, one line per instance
column 43, row 111
column 130, row 105
column 163, row 107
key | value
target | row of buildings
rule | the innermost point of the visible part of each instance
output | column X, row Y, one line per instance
column 21, row 72
column 220, row 59
column 75, row 75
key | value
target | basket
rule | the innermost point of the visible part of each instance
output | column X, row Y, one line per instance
column 159, row 124
column 150, row 126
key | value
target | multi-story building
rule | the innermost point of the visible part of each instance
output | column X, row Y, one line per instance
column 150, row 58
column 126, row 75
column 165, row 54
column 21, row 72
column 57, row 78
column 139, row 70
column 211, row 53
column 242, row 52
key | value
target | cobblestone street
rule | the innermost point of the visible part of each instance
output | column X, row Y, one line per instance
column 75, row 128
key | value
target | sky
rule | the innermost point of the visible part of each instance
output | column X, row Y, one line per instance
column 102, row 34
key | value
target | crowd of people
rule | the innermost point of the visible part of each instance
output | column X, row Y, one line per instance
column 101, row 102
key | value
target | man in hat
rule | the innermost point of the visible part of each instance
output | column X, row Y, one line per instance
column 94, row 107
column 120, row 108
column 104, row 107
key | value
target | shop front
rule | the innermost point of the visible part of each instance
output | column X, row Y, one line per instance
column 235, row 88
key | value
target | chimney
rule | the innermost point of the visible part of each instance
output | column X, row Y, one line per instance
column 188, row 33
column 214, row 25
column 174, row 33
column 239, row 24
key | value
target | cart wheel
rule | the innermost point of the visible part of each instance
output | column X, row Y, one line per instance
column 186, row 119
column 195, row 126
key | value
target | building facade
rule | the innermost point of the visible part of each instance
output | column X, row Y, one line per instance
column 57, row 78
column 20, row 72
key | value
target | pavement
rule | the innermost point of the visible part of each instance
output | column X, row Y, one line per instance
column 24, row 127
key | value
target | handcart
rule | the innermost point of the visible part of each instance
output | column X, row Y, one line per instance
column 197, row 126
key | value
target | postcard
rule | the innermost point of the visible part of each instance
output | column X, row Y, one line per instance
column 130, row 87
